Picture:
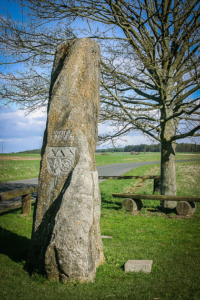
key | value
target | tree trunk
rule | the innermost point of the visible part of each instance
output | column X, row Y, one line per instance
column 168, row 172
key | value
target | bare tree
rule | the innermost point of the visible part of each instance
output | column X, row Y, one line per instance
column 27, row 51
column 150, row 66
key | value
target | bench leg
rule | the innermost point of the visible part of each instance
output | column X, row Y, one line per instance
column 185, row 208
column 132, row 205
column 139, row 203
column 26, row 204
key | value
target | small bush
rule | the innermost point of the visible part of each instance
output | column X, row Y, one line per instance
column 134, row 153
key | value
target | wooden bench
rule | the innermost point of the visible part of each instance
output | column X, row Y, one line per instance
column 133, row 202
column 26, row 197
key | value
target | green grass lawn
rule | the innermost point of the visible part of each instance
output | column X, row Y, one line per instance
column 171, row 241
column 125, row 157
column 11, row 170
column 21, row 155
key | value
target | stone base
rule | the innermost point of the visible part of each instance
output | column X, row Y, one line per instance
column 138, row 266
column 168, row 204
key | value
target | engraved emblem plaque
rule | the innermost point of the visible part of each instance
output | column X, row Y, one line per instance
column 59, row 135
column 60, row 160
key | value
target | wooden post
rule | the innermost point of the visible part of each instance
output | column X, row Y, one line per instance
column 157, row 185
column 26, row 204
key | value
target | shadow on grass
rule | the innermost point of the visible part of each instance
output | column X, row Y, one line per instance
column 159, row 209
column 13, row 245
column 14, row 209
column 10, row 211
column 104, row 201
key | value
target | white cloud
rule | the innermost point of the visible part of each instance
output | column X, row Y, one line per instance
column 104, row 128
column 20, row 132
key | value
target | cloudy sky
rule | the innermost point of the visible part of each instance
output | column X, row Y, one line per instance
column 20, row 132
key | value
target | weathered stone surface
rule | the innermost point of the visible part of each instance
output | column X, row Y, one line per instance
column 66, row 239
column 138, row 266
column 168, row 204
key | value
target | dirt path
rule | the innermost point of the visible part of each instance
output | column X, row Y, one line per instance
column 19, row 158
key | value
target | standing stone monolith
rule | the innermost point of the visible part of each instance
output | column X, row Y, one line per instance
column 66, row 241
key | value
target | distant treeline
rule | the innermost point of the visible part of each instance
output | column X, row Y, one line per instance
column 34, row 151
column 142, row 148
column 181, row 147
column 109, row 150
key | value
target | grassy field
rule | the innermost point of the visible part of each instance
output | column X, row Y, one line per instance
column 18, row 166
column 11, row 170
column 125, row 157
column 171, row 241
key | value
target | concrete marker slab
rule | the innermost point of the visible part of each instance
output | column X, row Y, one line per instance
column 138, row 266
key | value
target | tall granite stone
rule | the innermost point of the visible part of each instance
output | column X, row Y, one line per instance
column 66, row 241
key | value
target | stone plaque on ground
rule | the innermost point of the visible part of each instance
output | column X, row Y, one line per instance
column 66, row 240
column 138, row 266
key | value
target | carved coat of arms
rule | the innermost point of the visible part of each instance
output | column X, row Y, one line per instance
column 60, row 160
